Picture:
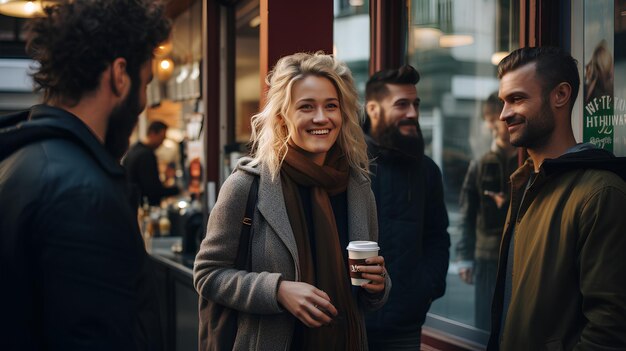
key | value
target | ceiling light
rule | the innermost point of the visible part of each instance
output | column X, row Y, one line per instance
column 255, row 22
column 454, row 40
column 498, row 56
column 164, row 69
column 163, row 49
column 24, row 9
column 426, row 37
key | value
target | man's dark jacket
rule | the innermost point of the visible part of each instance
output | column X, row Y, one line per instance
column 75, row 274
column 413, row 237
column 481, row 219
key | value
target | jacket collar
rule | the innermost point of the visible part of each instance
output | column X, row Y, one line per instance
column 599, row 159
column 375, row 151
column 271, row 205
column 51, row 122
column 586, row 158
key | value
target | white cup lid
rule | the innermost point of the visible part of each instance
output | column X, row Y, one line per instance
column 363, row 246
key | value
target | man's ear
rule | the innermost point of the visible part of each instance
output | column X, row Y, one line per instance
column 373, row 111
column 119, row 79
column 561, row 95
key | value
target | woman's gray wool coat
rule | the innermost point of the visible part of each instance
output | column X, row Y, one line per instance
column 263, row 324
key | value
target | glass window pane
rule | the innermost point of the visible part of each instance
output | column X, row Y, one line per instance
column 456, row 45
column 247, row 68
column 349, row 42
column 603, row 66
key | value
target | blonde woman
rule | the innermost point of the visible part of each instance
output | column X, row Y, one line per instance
column 314, row 197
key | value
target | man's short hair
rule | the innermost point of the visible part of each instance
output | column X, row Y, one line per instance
column 77, row 40
column 493, row 104
column 376, row 87
column 156, row 127
column 554, row 66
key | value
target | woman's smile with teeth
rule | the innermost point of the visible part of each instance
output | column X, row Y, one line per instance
column 319, row 131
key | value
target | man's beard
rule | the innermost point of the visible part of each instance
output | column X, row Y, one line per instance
column 390, row 137
column 538, row 129
column 122, row 121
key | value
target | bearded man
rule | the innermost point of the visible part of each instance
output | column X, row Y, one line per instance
column 75, row 271
column 412, row 215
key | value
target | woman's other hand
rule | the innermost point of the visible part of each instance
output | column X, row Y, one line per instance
column 307, row 303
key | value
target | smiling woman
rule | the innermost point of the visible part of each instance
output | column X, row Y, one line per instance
column 314, row 119
column 314, row 197
column 270, row 140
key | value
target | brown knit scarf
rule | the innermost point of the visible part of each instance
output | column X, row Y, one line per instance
column 328, row 272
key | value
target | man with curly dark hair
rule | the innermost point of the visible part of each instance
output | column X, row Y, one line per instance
column 75, row 272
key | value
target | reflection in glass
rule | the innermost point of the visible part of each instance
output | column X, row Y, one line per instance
column 247, row 68
column 619, row 82
column 349, row 43
column 456, row 45
column 484, row 203
column 604, row 96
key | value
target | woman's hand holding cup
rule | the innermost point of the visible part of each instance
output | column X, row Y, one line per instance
column 375, row 272
column 367, row 269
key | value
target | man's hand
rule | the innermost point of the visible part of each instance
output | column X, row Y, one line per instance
column 499, row 198
column 466, row 275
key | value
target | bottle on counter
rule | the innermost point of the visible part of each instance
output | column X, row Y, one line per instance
column 142, row 214
column 147, row 229
column 155, row 215
column 164, row 223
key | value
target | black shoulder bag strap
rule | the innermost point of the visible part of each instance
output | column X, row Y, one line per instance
column 243, row 251
column 218, row 324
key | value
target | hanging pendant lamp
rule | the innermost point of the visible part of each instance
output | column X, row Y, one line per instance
column 24, row 9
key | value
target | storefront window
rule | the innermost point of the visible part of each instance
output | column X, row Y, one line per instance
column 173, row 98
column 456, row 45
column 247, row 68
column 244, row 63
column 603, row 66
column 349, row 43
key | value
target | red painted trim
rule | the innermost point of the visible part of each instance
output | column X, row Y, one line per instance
column 212, row 92
column 289, row 26
column 533, row 27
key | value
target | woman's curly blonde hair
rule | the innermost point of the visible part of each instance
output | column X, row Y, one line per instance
column 269, row 136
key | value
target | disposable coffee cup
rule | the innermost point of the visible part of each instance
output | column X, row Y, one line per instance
column 358, row 251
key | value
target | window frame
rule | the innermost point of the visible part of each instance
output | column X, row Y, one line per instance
column 388, row 49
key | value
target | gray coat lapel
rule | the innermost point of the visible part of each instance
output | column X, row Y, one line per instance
column 358, row 213
column 271, row 205
column 361, row 211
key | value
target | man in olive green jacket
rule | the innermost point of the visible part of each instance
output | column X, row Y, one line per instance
column 561, row 272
